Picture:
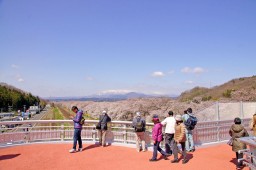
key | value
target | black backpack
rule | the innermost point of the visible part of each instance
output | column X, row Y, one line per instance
column 191, row 122
column 139, row 127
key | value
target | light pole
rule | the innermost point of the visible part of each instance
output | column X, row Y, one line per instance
column 24, row 108
column 39, row 106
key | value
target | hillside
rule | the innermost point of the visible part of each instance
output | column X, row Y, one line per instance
column 126, row 109
column 12, row 97
column 241, row 89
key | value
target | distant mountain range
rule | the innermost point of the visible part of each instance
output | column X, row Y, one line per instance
column 240, row 89
column 107, row 97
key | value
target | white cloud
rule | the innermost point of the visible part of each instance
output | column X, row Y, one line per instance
column 158, row 74
column 20, row 80
column 186, row 70
column 189, row 82
column 14, row 66
column 196, row 70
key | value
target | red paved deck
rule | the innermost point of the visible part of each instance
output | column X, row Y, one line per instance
column 57, row 157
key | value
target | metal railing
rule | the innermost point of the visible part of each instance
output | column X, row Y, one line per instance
column 250, row 153
column 119, row 131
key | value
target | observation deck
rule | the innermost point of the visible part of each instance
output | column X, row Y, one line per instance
column 55, row 156
column 45, row 145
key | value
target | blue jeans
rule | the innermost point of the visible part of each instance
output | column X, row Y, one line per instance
column 77, row 137
column 189, row 142
column 157, row 148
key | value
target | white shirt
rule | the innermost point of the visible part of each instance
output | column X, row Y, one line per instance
column 170, row 124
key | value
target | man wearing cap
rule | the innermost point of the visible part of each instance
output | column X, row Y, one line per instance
column 169, row 132
column 103, row 121
column 179, row 138
column 139, row 125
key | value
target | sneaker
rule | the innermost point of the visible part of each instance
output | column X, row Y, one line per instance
column 165, row 157
column 72, row 151
column 152, row 160
column 169, row 154
column 80, row 149
column 144, row 150
column 192, row 150
column 184, row 161
column 175, row 161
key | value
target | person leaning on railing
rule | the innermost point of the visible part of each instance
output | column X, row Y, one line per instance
column 102, row 130
column 253, row 124
column 237, row 131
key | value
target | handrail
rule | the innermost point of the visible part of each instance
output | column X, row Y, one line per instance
column 204, row 132
column 63, row 121
column 96, row 121
column 250, row 158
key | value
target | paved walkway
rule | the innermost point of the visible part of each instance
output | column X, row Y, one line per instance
column 57, row 157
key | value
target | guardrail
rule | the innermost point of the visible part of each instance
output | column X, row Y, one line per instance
column 119, row 131
column 250, row 153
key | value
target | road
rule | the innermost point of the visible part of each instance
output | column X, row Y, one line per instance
column 39, row 116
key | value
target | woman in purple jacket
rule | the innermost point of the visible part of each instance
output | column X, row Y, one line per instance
column 157, row 137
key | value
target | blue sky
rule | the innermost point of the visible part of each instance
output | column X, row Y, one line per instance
column 84, row 47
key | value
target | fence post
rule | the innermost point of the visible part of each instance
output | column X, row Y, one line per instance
column 62, row 132
column 241, row 109
column 94, row 134
column 217, row 111
column 27, row 135
column 125, row 133
column 218, row 132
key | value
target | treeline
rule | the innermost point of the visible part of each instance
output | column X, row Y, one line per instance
column 16, row 99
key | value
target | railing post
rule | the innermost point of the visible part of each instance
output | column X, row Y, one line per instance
column 125, row 133
column 62, row 132
column 27, row 135
column 195, row 135
column 94, row 134
column 218, row 132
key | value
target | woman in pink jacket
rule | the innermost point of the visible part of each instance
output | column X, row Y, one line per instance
column 157, row 137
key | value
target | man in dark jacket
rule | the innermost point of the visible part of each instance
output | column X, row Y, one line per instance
column 103, row 121
column 77, row 129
